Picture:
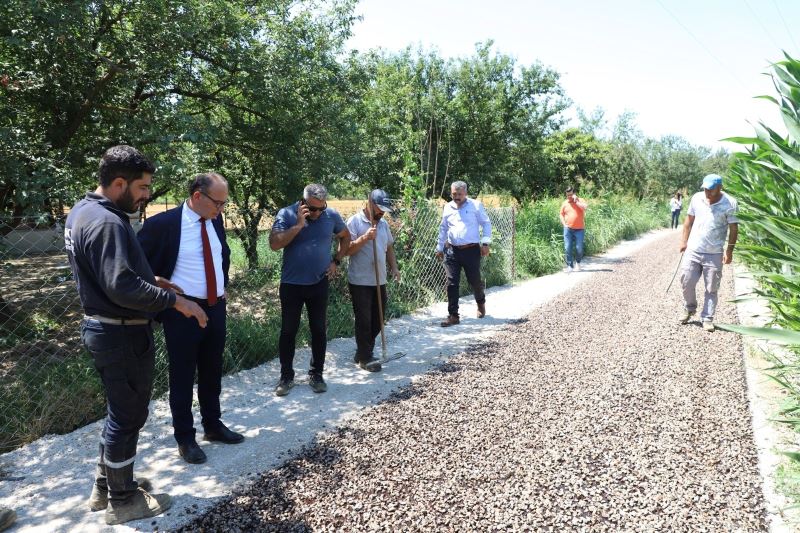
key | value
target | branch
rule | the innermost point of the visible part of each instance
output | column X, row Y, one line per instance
column 86, row 107
column 213, row 98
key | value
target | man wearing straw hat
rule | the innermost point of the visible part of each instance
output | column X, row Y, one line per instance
column 371, row 247
column 710, row 218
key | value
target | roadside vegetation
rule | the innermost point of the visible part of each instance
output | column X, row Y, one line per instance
column 267, row 94
column 766, row 182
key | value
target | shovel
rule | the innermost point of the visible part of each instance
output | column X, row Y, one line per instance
column 385, row 358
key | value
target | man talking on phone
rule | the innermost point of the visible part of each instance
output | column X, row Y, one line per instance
column 305, row 231
column 572, row 215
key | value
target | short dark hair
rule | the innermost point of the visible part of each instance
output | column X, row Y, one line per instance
column 570, row 189
column 123, row 161
column 203, row 181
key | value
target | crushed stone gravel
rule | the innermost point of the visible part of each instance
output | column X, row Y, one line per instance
column 597, row 412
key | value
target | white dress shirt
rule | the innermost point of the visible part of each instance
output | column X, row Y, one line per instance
column 463, row 226
column 190, row 272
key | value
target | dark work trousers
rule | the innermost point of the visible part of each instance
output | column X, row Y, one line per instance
column 470, row 260
column 315, row 298
column 368, row 318
column 124, row 356
column 191, row 347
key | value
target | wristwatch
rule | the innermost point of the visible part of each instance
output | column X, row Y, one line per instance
column 337, row 261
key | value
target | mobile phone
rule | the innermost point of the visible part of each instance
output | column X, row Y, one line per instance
column 303, row 202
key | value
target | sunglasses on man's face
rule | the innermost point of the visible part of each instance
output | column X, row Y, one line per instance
column 315, row 209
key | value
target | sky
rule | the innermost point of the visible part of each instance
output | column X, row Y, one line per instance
column 687, row 68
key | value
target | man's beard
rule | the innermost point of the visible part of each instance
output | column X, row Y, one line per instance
column 126, row 202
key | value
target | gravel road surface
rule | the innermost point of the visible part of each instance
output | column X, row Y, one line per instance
column 596, row 412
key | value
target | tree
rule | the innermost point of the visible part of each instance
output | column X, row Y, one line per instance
column 576, row 158
column 594, row 123
column 80, row 76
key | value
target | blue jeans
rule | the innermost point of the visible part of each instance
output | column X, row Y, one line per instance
column 573, row 236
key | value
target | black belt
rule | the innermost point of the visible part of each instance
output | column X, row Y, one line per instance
column 202, row 301
column 464, row 246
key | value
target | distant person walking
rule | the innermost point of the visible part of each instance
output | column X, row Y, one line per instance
column 120, row 295
column 305, row 231
column 675, row 205
column 710, row 217
column 368, row 229
column 464, row 236
column 572, row 216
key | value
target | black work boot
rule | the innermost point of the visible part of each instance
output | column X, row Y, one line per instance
column 127, row 501
column 98, row 501
column 7, row 518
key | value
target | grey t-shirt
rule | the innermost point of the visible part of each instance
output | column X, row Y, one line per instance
column 710, row 228
column 361, row 270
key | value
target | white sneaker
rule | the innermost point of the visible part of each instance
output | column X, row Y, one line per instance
column 577, row 267
column 568, row 269
column 708, row 325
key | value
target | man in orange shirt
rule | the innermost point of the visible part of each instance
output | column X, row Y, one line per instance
column 572, row 213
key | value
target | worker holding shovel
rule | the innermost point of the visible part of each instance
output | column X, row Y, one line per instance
column 370, row 250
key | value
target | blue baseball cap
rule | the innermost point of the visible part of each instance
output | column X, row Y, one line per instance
column 382, row 200
column 711, row 181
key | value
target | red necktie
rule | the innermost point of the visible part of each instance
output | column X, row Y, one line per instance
column 208, row 263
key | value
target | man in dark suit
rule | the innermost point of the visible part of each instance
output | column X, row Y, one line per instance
column 186, row 245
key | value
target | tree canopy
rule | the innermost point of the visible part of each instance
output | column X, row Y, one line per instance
column 266, row 93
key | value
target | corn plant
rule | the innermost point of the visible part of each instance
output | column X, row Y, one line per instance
column 766, row 182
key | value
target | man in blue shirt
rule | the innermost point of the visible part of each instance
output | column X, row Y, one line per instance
column 461, row 245
column 305, row 231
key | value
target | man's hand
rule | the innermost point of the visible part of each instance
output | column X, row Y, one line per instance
column 302, row 213
column 683, row 247
column 370, row 234
column 331, row 272
column 396, row 275
column 190, row 309
column 164, row 283
column 440, row 256
column 484, row 250
column 727, row 256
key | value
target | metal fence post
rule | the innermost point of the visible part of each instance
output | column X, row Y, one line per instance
column 513, row 245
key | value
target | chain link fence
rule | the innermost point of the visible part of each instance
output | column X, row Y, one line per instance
column 47, row 381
